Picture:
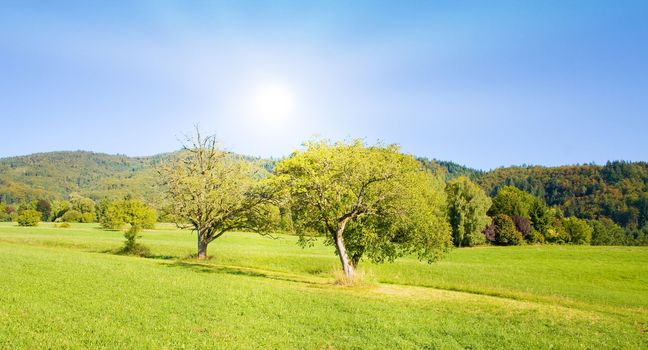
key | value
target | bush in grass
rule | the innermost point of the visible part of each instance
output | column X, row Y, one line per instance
column 136, row 214
column 131, row 247
column 28, row 217
column 87, row 217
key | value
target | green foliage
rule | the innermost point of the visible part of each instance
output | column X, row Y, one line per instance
column 131, row 246
column 28, row 217
column 577, row 231
column 58, row 209
column 467, row 207
column 451, row 170
column 45, row 208
column 129, row 211
column 606, row 232
column 134, row 213
column 367, row 201
column 540, row 216
column 83, row 205
column 72, row 216
column 618, row 190
column 213, row 193
column 512, row 202
column 56, row 175
column 87, row 217
column 5, row 212
column 505, row 231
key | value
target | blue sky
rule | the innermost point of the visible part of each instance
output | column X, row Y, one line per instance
column 483, row 83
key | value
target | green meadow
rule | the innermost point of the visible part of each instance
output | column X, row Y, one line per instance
column 65, row 288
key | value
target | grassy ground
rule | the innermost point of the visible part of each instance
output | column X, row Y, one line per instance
column 62, row 288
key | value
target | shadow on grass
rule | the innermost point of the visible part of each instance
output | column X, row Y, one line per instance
column 146, row 255
column 239, row 271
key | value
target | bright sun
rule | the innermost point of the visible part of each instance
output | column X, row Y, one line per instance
column 273, row 103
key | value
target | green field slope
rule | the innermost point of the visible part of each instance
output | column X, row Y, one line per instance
column 63, row 288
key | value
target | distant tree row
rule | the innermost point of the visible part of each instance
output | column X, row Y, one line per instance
column 515, row 217
column 112, row 214
column 617, row 191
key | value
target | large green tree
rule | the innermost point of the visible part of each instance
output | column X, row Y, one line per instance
column 212, row 192
column 577, row 230
column 467, row 207
column 367, row 201
column 512, row 201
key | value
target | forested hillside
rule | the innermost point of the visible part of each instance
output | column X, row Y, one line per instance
column 56, row 175
column 617, row 190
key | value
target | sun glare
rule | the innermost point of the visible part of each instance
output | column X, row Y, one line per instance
column 273, row 103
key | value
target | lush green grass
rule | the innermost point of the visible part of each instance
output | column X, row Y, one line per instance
column 62, row 288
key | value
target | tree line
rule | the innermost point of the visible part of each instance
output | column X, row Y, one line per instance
column 367, row 201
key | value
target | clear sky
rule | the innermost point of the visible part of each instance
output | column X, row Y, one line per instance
column 483, row 83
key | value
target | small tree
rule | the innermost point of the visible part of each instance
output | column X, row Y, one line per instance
column 112, row 215
column 540, row 216
column 59, row 208
column 505, row 231
column 511, row 201
column 578, row 231
column 136, row 214
column 523, row 226
column 45, row 208
column 372, row 201
column 212, row 193
column 29, row 217
column 72, row 216
column 606, row 232
column 467, row 207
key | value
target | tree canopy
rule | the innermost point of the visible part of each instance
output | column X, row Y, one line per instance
column 368, row 201
column 467, row 208
column 213, row 193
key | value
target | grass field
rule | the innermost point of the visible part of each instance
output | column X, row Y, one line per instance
column 63, row 288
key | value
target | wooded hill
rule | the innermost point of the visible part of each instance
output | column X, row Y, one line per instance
column 617, row 190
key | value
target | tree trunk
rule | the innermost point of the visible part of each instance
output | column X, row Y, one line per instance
column 347, row 266
column 202, row 248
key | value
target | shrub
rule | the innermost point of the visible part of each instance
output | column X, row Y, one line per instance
column 5, row 212
column 578, row 231
column 72, row 216
column 87, row 217
column 556, row 234
column 606, row 232
column 535, row 237
column 29, row 217
column 131, row 247
column 505, row 231
column 523, row 226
